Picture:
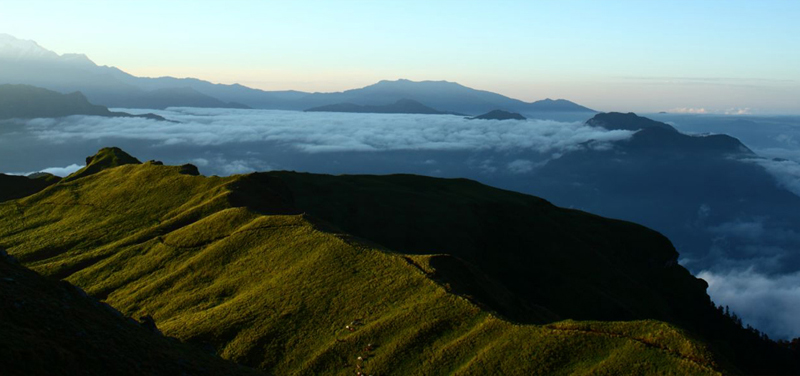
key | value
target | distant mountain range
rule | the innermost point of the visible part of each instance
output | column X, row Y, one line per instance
column 403, row 106
column 28, row 102
column 25, row 62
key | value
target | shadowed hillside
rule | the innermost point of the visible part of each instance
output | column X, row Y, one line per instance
column 12, row 186
column 574, row 264
column 54, row 328
column 232, row 263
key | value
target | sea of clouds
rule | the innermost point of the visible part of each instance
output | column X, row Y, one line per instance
column 316, row 132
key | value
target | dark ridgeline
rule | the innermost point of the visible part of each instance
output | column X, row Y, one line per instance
column 499, row 115
column 29, row 102
column 13, row 187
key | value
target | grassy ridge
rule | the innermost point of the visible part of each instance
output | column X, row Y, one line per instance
column 575, row 264
column 270, row 287
column 53, row 328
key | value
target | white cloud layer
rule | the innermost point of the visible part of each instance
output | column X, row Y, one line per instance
column 330, row 132
column 688, row 110
column 769, row 303
column 786, row 172
column 57, row 171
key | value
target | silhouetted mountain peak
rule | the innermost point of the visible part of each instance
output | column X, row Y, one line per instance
column 20, row 49
column 654, row 135
column 104, row 159
column 499, row 115
column 406, row 84
column 628, row 122
column 78, row 59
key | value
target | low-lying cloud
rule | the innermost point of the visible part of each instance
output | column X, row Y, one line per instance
column 786, row 172
column 331, row 132
column 769, row 303
column 688, row 110
column 57, row 171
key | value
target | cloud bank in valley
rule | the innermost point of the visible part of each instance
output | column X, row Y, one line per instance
column 331, row 132
column 769, row 303
column 57, row 171
column 786, row 172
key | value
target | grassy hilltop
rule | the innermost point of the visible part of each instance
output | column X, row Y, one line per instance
column 264, row 269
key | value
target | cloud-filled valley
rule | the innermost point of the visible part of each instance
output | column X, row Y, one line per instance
column 767, row 302
column 506, row 154
column 329, row 132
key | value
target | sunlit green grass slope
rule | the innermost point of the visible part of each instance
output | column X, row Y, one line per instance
column 52, row 328
column 231, row 263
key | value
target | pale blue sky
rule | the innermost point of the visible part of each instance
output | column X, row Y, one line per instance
column 610, row 55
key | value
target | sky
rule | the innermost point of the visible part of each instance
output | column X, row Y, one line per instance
column 680, row 56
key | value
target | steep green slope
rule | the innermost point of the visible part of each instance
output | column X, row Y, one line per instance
column 231, row 263
column 53, row 328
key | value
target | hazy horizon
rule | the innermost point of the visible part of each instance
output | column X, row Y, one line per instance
column 613, row 56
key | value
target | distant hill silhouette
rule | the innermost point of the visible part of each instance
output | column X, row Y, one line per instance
column 441, row 95
column 499, row 115
column 653, row 135
column 31, row 64
column 27, row 102
column 687, row 187
column 25, row 62
column 402, row 106
column 628, row 122
column 12, row 186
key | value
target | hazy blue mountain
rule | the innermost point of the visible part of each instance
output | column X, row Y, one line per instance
column 442, row 95
column 628, row 122
column 25, row 62
column 705, row 192
column 237, row 95
column 499, row 115
column 29, row 102
column 403, row 106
